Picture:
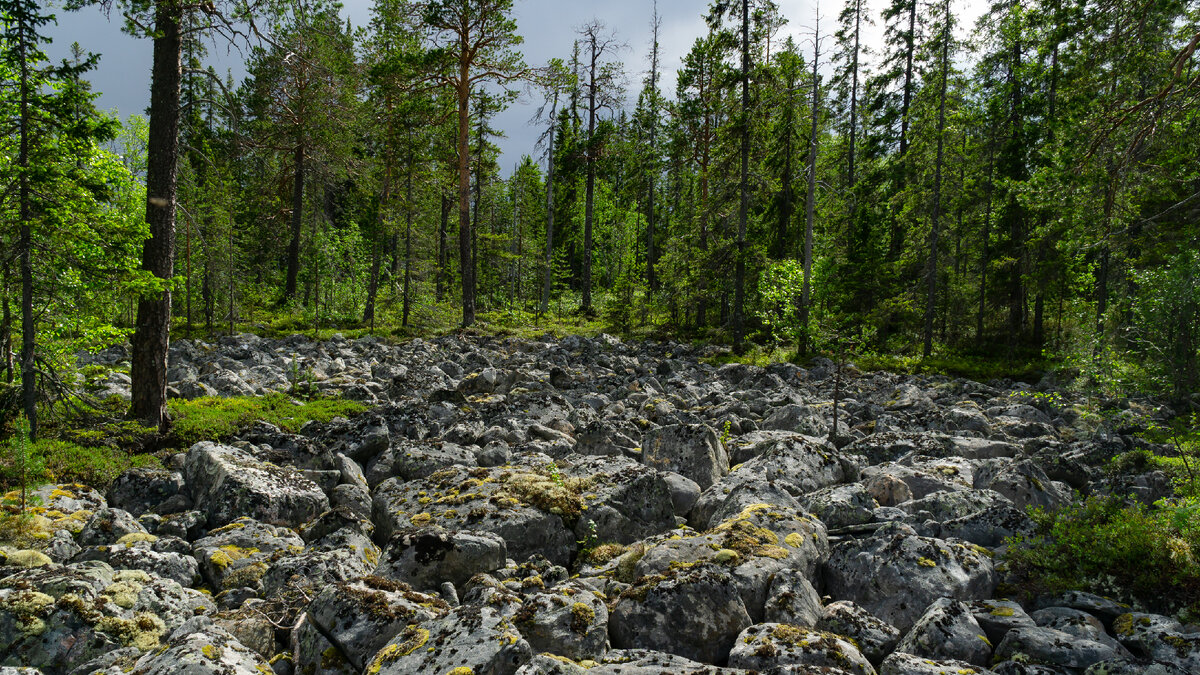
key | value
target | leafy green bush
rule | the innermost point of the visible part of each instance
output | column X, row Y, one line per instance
column 1106, row 546
column 215, row 419
column 60, row 461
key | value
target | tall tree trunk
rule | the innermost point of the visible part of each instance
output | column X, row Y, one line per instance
column 811, row 195
column 293, row 261
column 466, row 262
column 549, row 276
column 443, row 271
column 590, row 192
column 6, row 339
column 25, row 248
column 408, row 223
column 896, row 241
column 381, row 242
column 152, row 335
column 739, row 275
column 651, row 277
column 931, row 293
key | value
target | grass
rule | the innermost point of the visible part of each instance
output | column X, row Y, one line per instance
column 1106, row 546
column 216, row 419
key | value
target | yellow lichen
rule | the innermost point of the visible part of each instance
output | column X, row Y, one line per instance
column 143, row 632
column 135, row 537
column 28, row 559
column 421, row 519
column 795, row 540
column 926, row 562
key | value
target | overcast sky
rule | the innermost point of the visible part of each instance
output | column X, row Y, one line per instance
column 549, row 27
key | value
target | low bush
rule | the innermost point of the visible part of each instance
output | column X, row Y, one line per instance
column 60, row 461
column 1104, row 545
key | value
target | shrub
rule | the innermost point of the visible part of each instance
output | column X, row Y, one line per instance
column 61, row 461
column 1105, row 546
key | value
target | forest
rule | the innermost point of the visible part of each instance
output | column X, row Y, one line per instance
column 862, row 341
column 1025, row 195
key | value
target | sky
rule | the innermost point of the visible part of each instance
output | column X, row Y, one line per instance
column 549, row 28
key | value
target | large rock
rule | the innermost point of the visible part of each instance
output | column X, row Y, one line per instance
column 874, row 637
column 426, row 557
column 148, row 489
column 694, row 451
column 1049, row 647
column 695, row 612
column 229, row 483
column 241, row 553
column 202, row 648
column 472, row 638
column 900, row 663
column 948, row 630
column 896, row 575
column 361, row 616
column 56, row 617
column 770, row 646
column 569, row 621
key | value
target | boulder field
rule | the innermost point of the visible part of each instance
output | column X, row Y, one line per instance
column 578, row 506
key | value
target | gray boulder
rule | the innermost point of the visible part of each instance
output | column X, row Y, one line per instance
column 875, row 637
column 480, row 639
column 1049, row 647
column 695, row 612
column 896, row 576
column 569, row 621
column 240, row 554
column 230, row 483
column 900, row 663
column 769, row 646
column 694, row 451
column 426, row 557
column 144, row 490
column 947, row 630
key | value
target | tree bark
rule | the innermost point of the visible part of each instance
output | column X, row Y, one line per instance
column 152, row 335
column 931, row 293
column 590, row 192
column 811, row 196
column 408, row 223
column 293, row 261
column 25, row 248
column 466, row 262
column 548, row 280
column 739, row 275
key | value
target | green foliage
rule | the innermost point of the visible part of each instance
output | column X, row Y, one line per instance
column 215, row 419
column 59, row 461
column 1104, row 545
column 24, row 461
column 780, row 288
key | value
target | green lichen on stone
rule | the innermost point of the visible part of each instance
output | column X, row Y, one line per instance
column 143, row 632
column 581, row 617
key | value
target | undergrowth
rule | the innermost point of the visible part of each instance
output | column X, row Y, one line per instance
column 1104, row 545
column 216, row 419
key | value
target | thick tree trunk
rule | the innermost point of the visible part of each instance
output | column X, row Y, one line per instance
column 443, row 271
column 466, row 261
column 293, row 261
column 6, row 343
column 152, row 335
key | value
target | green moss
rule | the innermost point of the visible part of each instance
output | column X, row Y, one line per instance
column 28, row 558
column 215, row 419
column 582, row 617
column 143, row 631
